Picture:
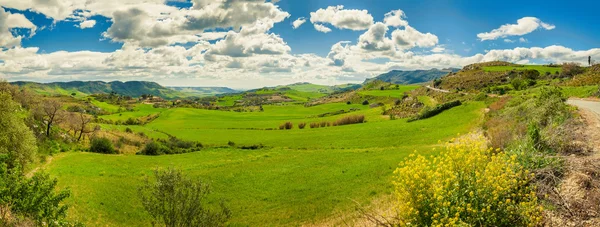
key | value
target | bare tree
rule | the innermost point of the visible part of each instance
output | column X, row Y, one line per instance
column 51, row 111
column 83, row 128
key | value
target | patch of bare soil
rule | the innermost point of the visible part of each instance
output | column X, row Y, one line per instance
column 577, row 196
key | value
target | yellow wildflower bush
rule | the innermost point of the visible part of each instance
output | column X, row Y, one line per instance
column 466, row 185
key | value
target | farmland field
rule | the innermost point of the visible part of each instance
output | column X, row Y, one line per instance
column 302, row 176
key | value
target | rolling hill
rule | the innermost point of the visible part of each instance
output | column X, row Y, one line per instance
column 411, row 77
column 204, row 91
column 83, row 88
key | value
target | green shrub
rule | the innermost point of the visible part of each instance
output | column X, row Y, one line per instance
column 314, row 125
column 154, row 148
column 430, row 112
column 170, row 146
column 481, row 96
column 301, row 125
column 128, row 130
column 231, row 143
column 175, row 200
column 252, row 147
column 366, row 102
column 35, row 198
column 102, row 145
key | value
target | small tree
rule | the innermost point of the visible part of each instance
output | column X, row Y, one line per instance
column 35, row 198
column 83, row 127
column 51, row 113
column 17, row 143
column 175, row 200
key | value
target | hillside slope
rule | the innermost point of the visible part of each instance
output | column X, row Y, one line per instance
column 129, row 88
column 204, row 91
column 411, row 77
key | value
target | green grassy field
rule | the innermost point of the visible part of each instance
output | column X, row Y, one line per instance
column 302, row 177
column 140, row 110
column 390, row 93
column 540, row 68
column 105, row 106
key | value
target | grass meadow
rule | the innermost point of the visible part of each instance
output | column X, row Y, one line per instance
column 140, row 110
column 302, row 176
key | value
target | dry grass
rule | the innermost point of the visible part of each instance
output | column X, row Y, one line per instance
column 287, row 126
column 353, row 119
column 577, row 195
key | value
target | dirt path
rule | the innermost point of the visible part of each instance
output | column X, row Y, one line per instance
column 579, row 189
column 585, row 104
column 42, row 166
column 437, row 89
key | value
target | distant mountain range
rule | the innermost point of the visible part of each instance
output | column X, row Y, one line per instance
column 411, row 77
column 139, row 88
column 204, row 91
column 308, row 87
column 79, row 88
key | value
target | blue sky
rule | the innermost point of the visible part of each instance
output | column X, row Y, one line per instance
column 437, row 34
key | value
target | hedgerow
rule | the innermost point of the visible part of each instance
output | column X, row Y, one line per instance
column 430, row 112
column 467, row 184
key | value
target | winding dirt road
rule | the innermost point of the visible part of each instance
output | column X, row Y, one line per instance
column 589, row 105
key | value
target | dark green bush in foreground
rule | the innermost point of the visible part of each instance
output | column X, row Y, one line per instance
column 170, row 146
column 34, row 199
column 175, row 200
column 102, row 145
column 430, row 112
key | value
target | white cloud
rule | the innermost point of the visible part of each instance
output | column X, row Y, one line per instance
column 249, row 41
column 322, row 28
column 87, row 24
column 298, row 22
column 523, row 40
column 524, row 26
column 9, row 21
column 438, row 49
column 410, row 37
column 509, row 41
column 242, row 52
column 375, row 39
column 342, row 18
column 395, row 18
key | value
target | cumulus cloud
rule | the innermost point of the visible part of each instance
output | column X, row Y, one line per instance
column 395, row 18
column 230, row 42
column 87, row 24
column 409, row 38
column 322, row 28
column 375, row 39
column 524, row 26
column 298, row 22
column 342, row 18
column 249, row 41
column 9, row 21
